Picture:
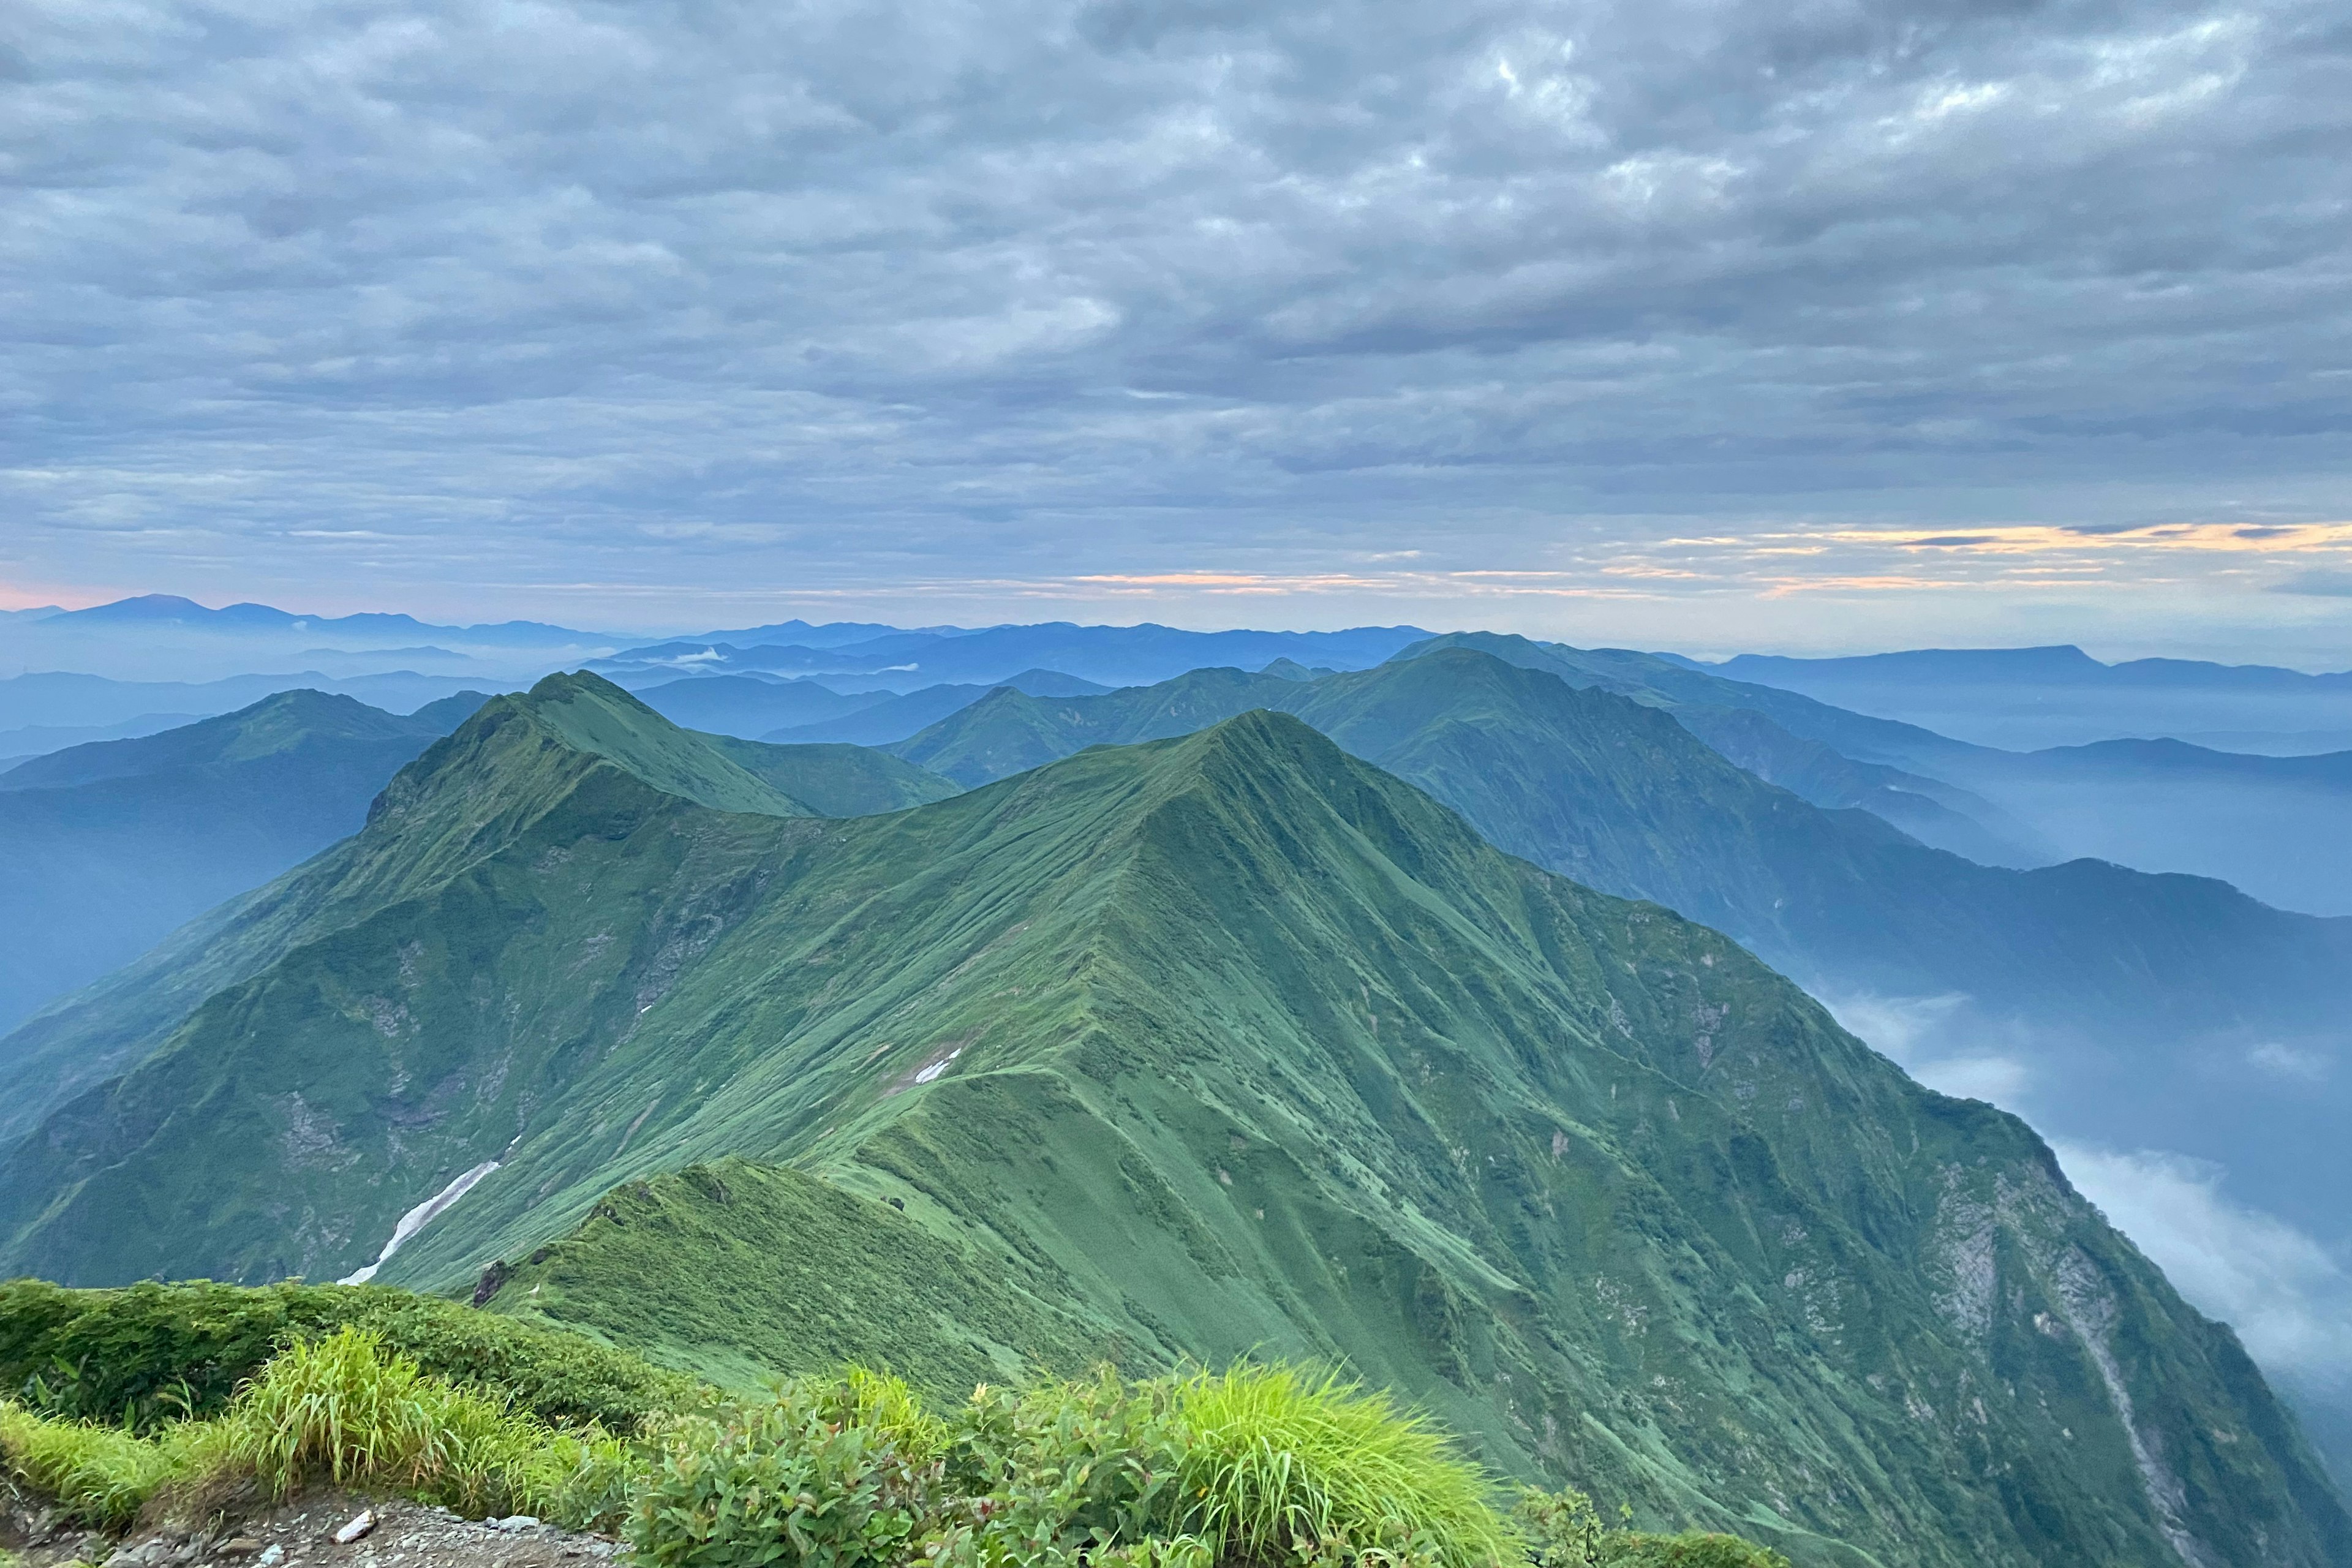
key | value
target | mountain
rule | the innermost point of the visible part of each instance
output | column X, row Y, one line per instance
column 61, row 700
column 829, row 634
column 1931, row 810
column 39, row 740
column 1212, row 1045
column 1106, row 655
column 2270, row 825
column 110, row 844
column 1681, row 686
column 893, row 719
column 2139, row 1003
column 742, row 705
column 170, row 610
column 165, row 640
column 1052, row 683
column 838, row 779
column 2035, row 698
column 83, row 1038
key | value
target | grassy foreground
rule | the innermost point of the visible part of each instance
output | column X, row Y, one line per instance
column 1251, row 1466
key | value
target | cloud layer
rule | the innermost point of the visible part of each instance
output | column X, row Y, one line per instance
column 1180, row 296
column 2289, row 1299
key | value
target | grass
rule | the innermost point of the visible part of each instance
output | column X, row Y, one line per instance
column 1250, row 1468
column 102, row 1474
column 1277, row 1456
column 341, row 1410
column 148, row 1354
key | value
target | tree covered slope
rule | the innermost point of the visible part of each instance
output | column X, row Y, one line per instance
column 1220, row 1043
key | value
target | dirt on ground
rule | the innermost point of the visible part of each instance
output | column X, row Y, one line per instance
column 301, row 1533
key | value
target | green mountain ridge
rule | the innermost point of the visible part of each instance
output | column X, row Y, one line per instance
column 521, row 755
column 2132, row 984
column 1220, row 1043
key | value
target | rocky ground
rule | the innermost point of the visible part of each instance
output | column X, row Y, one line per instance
column 302, row 1534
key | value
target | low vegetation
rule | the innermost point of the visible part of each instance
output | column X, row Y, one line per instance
column 342, row 1409
column 1253, row 1465
column 150, row 1354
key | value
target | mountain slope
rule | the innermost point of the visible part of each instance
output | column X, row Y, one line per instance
column 742, row 705
column 836, row 779
column 110, row 844
column 2136, row 990
column 2270, row 825
column 1222, row 1042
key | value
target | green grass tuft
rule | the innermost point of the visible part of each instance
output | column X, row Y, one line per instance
column 339, row 1410
column 102, row 1476
column 1278, row 1460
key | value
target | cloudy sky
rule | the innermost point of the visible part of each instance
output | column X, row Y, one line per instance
column 1685, row 323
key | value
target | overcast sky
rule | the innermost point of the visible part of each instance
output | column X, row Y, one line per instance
column 1793, row 325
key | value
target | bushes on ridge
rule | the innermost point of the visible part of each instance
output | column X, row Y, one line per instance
column 150, row 1353
column 1563, row 1529
column 1254, row 1464
column 340, row 1409
column 1252, row 1467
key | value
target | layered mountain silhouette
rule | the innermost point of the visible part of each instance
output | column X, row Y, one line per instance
column 110, row 844
column 2027, row 697
column 2272, row 825
column 1224, row 1042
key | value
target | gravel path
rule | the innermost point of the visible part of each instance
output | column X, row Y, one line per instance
column 301, row 1533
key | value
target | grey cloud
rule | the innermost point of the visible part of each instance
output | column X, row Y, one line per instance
column 984, row 286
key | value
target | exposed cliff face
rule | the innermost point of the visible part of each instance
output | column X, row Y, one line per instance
column 1219, row 1044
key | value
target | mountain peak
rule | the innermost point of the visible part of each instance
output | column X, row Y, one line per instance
column 145, row 607
column 586, row 715
column 280, row 723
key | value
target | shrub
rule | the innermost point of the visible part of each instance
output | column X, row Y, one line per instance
column 1563, row 1529
column 1255, row 1465
column 1628, row 1548
column 794, row 1480
column 1064, row 1472
column 148, row 1354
